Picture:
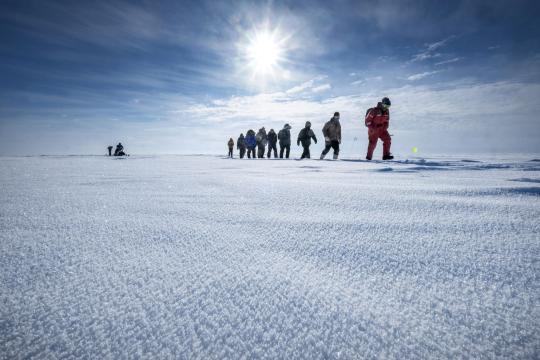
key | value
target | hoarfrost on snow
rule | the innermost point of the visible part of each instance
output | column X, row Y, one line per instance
column 202, row 257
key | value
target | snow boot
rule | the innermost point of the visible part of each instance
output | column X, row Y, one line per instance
column 388, row 157
column 335, row 156
column 322, row 156
column 368, row 158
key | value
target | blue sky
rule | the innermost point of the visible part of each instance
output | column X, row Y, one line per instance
column 177, row 77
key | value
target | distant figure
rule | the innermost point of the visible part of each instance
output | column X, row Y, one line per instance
column 284, row 137
column 305, row 136
column 251, row 143
column 241, row 145
column 262, row 140
column 377, row 121
column 332, row 136
column 230, row 144
column 119, row 151
column 110, row 150
column 272, row 141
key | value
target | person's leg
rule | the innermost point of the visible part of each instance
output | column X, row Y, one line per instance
column 281, row 148
column 249, row 153
column 308, row 155
column 326, row 149
column 372, row 137
column 304, row 152
column 335, row 146
column 387, row 141
column 275, row 151
column 288, row 150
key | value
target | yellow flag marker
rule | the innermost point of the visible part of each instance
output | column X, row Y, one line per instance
column 415, row 149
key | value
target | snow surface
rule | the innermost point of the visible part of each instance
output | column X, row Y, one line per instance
column 203, row 257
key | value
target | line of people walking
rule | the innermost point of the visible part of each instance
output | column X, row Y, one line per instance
column 377, row 121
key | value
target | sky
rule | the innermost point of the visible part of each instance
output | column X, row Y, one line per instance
column 182, row 77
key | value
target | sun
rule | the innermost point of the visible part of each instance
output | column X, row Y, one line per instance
column 265, row 51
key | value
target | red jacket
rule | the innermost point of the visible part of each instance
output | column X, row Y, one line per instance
column 378, row 117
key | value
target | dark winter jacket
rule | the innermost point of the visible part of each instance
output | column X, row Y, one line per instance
column 378, row 117
column 272, row 138
column 230, row 144
column 262, row 138
column 305, row 136
column 332, row 130
column 250, row 140
column 284, row 137
column 241, row 142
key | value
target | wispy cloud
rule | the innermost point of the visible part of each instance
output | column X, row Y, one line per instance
column 430, row 50
column 321, row 88
column 453, row 60
column 310, row 84
column 420, row 76
column 366, row 80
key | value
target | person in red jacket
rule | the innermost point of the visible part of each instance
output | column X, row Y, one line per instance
column 377, row 121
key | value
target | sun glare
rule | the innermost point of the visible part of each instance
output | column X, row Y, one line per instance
column 264, row 52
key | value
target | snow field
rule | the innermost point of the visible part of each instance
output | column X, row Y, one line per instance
column 204, row 257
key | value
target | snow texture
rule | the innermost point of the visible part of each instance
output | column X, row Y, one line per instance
column 196, row 257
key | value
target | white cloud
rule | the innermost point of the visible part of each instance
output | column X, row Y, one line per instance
column 420, row 76
column 366, row 80
column 308, row 85
column 449, row 61
column 321, row 88
column 430, row 50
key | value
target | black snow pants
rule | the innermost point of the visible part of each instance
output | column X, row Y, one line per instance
column 334, row 144
column 270, row 148
column 282, row 148
column 305, row 154
column 242, row 152
column 251, row 152
column 230, row 152
column 260, row 151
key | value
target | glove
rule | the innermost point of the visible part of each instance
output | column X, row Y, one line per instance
column 368, row 124
column 327, row 139
column 298, row 143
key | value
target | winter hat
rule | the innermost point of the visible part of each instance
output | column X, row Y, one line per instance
column 308, row 124
column 336, row 114
column 287, row 126
column 386, row 101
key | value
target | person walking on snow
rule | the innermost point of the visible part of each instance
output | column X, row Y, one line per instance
column 262, row 140
column 284, row 137
column 251, row 143
column 305, row 136
column 332, row 136
column 377, row 121
column 241, row 145
column 272, row 141
column 110, row 149
column 230, row 144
